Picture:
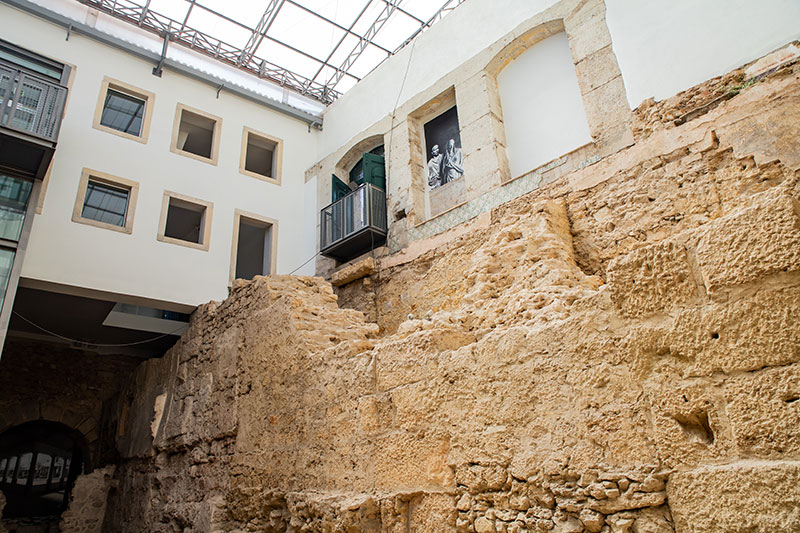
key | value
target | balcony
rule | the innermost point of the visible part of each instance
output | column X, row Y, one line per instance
column 354, row 224
column 30, row 117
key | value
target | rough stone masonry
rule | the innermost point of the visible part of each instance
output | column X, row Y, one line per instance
column 616, row 352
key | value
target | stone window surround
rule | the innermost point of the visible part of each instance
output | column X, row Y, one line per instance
column 599, row 80
column 603, row 141
column 88, row 175
column 215, row 139
column 356, row 152
column 205, row 234
column 416, row 124
column 238, row 214
column 122, row 87
column 277, row 156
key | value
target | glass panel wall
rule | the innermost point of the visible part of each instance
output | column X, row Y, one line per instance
column 14, row 196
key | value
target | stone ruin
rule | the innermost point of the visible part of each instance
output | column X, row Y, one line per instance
column 614, row 353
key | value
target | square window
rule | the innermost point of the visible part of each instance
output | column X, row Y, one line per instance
column 105, row 201
column 185, row 221
column 124, row 110
column 261, row 156
column 254, row 246
column 196, row 134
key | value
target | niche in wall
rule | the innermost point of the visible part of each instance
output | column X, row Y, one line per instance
column 437, row 182
column 542, row 105
column 443, row 149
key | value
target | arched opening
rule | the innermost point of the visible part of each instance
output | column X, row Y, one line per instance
column 356, row 172
column 39, row 462
column 355, row 221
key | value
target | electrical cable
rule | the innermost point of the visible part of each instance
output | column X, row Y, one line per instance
column 96, row 345
column 391, row 134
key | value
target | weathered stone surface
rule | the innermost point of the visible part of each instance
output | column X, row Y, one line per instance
column 87, row 502
column 350, row 273
column 761, row 240
column 741, row 497
column 652, row 279
column 744, row 334
column 508, row 387
column 764, row 410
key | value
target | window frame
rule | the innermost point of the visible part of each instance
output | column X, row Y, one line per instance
column 205, row 233
column 277, row 156
column 238, row 214
column 129, row 90
column 215, row 134
column 88, row 175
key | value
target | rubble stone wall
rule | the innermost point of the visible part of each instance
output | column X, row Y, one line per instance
column 87, row 502
column 618, row 352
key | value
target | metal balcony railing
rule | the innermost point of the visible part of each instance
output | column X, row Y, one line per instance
column 354, row 224
column 29, row 104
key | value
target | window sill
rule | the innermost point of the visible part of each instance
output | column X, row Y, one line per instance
column 180, row 242
column 112, row 131
column 104, row 225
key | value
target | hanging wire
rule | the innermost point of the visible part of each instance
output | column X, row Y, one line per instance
column 96, row 345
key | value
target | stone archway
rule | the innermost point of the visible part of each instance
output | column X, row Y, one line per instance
column 39, row 463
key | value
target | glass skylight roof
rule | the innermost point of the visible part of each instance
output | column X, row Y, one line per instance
column 320, row 48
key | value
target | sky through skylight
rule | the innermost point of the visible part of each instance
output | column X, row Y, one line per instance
column 320, row 48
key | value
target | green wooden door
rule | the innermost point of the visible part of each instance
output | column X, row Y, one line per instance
column 339, row 189
column 375, row 170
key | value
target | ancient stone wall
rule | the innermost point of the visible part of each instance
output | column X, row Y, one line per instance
column 87, row 502
column 616, row 352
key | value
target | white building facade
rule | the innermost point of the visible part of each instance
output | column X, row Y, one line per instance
column 163, row 188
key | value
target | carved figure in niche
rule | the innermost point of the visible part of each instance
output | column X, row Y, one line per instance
column 451, row 163
column 435, row 167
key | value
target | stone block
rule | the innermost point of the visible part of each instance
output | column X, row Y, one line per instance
column 447, row 196
column 597, row 69
column 482, row 131
column 652, row 279
column 353, row 272
column 758, row 241
column 587, row 36
column 764, row 412
column 742, row 335
column 477, row 96
column 412, row 460
column 606, row 108
column 414, row 358
column 431, row 513
column 745, row 497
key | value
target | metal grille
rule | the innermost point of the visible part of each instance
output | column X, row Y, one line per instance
column 363, row 208
column 30, row 105
column 325, row 84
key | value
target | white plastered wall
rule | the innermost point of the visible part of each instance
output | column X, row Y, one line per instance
column 467, row 31
column 138, row 265
column 662, row 48
column 542, row 107
column 666, row 47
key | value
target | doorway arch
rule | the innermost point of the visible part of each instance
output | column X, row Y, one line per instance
column 39, row 462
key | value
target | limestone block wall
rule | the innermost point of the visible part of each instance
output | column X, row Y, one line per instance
column 616, row 351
